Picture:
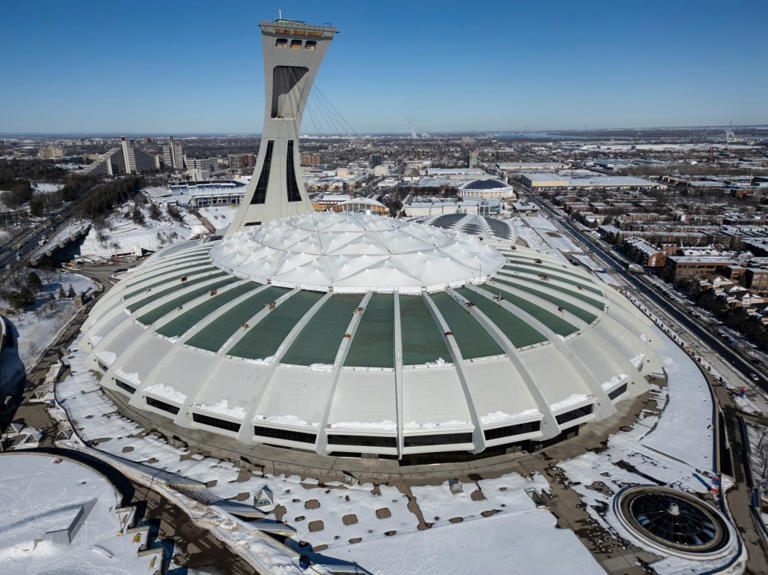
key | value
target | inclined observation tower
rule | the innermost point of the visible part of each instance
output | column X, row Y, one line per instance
column 293, row 52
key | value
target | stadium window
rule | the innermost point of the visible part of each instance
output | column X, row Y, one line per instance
column 574, row 414
column 161, row 405
column 363, row 440
column 511, row 430
column 285, row 434
column 215, row 422
column 125, row 386
column 621, row 390
column 442, row 439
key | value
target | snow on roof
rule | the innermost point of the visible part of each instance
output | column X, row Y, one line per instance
column 366, row 201
column 59, row 515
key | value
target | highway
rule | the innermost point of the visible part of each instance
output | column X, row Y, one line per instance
column 30, row 238
column 675, row 310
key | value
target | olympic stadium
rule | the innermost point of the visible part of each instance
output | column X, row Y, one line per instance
column 357, row 334
column 363, row 334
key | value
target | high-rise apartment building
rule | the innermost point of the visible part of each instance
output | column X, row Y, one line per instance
column 173, row 155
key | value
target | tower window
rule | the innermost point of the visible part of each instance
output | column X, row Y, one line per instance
column 293, row 187
column 281, row 43
column 295, row 44
column 310, row 44
column 260, row 194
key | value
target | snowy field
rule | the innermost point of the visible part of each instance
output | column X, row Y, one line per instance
column 367, row 524
column 41, row 494
column 122, row 235
column 38, row 327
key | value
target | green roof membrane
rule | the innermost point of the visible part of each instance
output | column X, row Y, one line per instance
column 262, row 340
column 532, row 263
column 549, row 319
column 188, row 253
column 374, row 341
column 223, row 327
column 421, row 338
column 471, row 337
column 189, row 272
column 191, row 317
column 148, row 275
column 180, row 285
column 526, row 269
column 566, row 305
column 517, row 331
column 552, row 285
column 320, row 339
column 155, row 314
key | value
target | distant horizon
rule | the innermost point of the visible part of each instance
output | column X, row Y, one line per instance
column 543, row 132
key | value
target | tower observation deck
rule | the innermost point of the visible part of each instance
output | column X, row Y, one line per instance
column 293, row 52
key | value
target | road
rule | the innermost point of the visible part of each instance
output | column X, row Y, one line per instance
column 679, row 313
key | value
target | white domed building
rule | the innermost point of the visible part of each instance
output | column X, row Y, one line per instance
column 353, row 333
column 487, row 189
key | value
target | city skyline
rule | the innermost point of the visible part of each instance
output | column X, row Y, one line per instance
column 507, row 68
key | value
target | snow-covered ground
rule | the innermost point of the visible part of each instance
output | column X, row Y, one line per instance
column 38, row 327
column 40, row 494
column 515, row 543
column 219, row 216
column 367, row 524
column 122, row 235
column 43, row 188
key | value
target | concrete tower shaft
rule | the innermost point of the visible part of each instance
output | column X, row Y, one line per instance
column 293, row 52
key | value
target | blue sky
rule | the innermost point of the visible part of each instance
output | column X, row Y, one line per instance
column 195, row 66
